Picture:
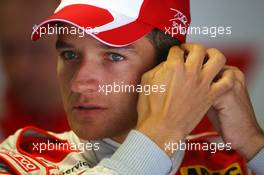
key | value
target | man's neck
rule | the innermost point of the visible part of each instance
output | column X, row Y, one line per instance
column 120, row 138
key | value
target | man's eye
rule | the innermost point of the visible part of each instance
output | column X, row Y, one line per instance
column 115, row 57
column 69, row 55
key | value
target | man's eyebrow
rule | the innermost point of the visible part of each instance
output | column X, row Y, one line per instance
column 60, row 44
column 128, row 48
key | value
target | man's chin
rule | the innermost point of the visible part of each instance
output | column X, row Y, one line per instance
column 91, row 133
column 97, row 133
column 85, row 136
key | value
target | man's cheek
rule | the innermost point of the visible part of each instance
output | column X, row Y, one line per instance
column 64, row 76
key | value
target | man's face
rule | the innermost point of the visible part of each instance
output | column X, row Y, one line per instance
column 83, row 65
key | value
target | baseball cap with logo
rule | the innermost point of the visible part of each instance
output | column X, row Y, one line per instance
column 121, row 22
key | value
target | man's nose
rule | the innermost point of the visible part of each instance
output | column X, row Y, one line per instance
column 86, row 78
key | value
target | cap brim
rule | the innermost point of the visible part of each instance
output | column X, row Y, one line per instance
column 85, row 16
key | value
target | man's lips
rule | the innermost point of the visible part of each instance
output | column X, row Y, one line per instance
column 87, row 109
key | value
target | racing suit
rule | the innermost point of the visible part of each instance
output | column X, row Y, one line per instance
column 34, row 151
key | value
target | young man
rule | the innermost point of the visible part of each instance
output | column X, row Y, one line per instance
column 127, row 133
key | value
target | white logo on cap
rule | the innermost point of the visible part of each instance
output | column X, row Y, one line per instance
column 179, row 17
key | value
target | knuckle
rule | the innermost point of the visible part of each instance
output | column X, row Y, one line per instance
column 241, row 75
column 176, row 49
column 228, row 84
column 193, row 47
column 221, row 58
column 218, row 56
column 234, row 68
column 199, row 47
column 213, row 51
column 238, row 85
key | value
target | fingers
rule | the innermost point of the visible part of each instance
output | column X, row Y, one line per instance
column 175, row 62
column 195, row 58
column 198, row 55
column 224, row 84
column 148, row 76
column 214, row 65
column 238, row 74
column 176, row 55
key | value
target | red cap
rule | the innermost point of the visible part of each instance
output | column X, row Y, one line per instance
column 121, row 22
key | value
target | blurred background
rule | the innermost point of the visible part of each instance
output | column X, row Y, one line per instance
column 28, row 82
column 29, row 92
